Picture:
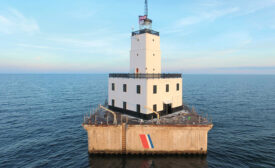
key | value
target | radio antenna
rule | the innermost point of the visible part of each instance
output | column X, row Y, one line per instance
column 146, row 8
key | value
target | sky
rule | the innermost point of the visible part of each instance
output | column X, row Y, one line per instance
column 93, row 36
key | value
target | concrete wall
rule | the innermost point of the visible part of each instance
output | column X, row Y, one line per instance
column 104, row 139
column 166, row 139
column 146, row 97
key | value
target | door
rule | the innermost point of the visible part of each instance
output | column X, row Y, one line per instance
column 167, row 108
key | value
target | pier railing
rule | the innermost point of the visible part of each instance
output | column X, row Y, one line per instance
column 188, row 116
column 147, row 75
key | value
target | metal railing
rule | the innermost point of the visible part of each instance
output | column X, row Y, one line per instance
column 101, row 116
column 145, row 31
column 147, row 75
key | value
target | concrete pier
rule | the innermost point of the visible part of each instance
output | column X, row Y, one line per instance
column 142, row 139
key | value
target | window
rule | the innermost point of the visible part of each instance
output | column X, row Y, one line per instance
column 178, row 86
column 138, row 108
column 155, row 89
column 167, row 87
column 138, row 89
column 113, row 102
column 124, row 105
column 124, row 88
column 155, row 107
column 153, row 54
column 137, row 54
column 153, row 40
column 113, row 86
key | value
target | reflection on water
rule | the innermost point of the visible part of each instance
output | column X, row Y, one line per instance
column 175, row 161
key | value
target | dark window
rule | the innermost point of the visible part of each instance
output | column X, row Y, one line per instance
column 155, row 89
column 167, row 88
column 153, row 54
column 138, row 108
column 124, row 88
column 138, row 89
column 113, row 102
column 155, row 107
column 178, row 86
column 124, row 105
column 113, row 86
column 137, row 54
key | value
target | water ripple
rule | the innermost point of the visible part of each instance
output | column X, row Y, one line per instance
column 41, row 115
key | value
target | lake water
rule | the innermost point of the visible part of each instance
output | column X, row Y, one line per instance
column 41, row 116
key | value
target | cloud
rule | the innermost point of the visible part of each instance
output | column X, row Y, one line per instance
column 206, row 16
column 231, row 70
column 217, row 59
column 16, row 22
column 82, row 43
column 249, row 8
column 37, row 46
column 97, row 43
column 213, row 10
column 249, row 68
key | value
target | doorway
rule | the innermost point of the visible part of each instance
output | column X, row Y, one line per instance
column 167, row 108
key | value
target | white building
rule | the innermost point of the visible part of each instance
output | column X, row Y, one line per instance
column 145, row 86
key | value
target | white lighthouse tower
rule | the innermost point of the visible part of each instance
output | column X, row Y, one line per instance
column 145, row 88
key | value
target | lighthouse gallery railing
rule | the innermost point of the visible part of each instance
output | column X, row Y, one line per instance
column 147, row 75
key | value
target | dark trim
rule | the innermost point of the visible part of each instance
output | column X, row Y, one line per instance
column 145, row 31
column 141, row 115
column 145, row 75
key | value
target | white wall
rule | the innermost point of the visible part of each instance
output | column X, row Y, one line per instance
column 173, row 96
column 145, row 53
column 131, row 96
column 146, row 97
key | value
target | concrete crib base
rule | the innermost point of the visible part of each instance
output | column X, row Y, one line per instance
column 147, row 139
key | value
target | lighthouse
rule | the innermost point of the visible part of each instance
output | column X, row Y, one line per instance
column 145, row 90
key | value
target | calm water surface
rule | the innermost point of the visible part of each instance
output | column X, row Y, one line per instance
column 41, row 116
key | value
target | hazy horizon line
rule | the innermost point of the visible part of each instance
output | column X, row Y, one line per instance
column 127, row 73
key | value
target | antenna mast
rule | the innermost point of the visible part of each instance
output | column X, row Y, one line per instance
column 144, row 21
column 146, row 8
